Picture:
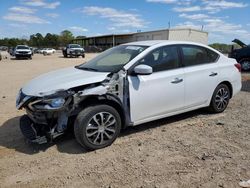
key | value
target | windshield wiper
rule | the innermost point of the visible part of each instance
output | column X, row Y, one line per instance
column 86, row 68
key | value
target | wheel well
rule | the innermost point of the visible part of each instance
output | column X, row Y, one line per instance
column 229, row 85
column 95, row 100
column 244, row 58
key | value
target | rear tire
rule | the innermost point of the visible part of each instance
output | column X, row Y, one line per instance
column 97, row 126
column 245, row 64
column 220, row 99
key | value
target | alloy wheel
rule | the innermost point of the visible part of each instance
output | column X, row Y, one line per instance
column 245, row 65
column 101, row 128
column 222, row 98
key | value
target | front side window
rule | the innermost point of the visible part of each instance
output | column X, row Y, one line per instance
column 195, row 55
column 114, row 59
column 163, row 58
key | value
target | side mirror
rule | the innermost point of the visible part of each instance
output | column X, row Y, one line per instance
column 143, row 70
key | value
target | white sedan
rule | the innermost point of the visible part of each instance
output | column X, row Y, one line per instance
column 48, row 51
column 125, row 86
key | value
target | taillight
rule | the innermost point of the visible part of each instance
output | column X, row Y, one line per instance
column 238, row 66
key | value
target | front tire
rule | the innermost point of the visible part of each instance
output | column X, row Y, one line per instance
column 220, row 99
column 97, row 126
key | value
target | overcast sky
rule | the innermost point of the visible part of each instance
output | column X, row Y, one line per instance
column 223, row 19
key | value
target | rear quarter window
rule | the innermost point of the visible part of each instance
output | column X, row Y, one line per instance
column 197, row 55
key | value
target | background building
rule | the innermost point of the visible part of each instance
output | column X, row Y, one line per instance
column 106, row 41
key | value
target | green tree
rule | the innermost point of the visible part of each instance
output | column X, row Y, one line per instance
column 36, row 40
column 224, row 48
column 66, row 37
column 51, row 40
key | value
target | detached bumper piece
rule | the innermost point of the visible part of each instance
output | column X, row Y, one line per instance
column 30, row 131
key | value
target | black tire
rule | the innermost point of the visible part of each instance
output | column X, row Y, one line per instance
column 65, row 54
column 245, row 64
column 30, row 57
column 220, row 99
column 85, row 122
column 83, row 56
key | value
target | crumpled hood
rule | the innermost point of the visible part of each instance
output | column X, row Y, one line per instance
column 62, row 79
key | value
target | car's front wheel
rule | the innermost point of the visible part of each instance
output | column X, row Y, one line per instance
column 97, row 126
column 220, row 99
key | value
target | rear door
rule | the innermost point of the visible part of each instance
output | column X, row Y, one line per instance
column 153, row 96
column 201, row 74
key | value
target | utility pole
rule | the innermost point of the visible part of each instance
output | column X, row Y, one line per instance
column 113, row 40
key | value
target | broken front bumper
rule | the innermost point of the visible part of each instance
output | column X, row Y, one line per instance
column 31, row 131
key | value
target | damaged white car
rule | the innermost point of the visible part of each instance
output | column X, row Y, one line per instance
column 125, row 86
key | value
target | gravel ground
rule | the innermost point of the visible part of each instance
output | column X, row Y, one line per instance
column 195, row 149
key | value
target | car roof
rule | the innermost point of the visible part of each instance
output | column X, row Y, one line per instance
column 163, row 42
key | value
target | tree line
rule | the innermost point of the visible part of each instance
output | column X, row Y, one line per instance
column 40, row 41
column 65, row 37
column 224, row 48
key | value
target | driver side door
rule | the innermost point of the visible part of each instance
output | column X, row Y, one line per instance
column 161, row 93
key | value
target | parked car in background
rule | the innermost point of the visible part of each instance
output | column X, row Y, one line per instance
column 48, row 51
column 73, row 50
column 4, row 52
column 32, row 50
column 12, row 51
column 242, row 55
column 3, row 48
column 37, row 50
column 4, row 55
column 23, row 51
column 94, row 49
column 125, row 86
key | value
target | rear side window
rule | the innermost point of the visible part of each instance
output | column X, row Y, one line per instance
column 195, row 55
column 163, row 58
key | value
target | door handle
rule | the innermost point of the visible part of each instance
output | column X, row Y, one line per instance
column 213, row 74
column 177, row 80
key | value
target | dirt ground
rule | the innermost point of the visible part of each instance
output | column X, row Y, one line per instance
column 194, row 149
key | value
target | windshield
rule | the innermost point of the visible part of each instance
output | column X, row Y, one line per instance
column 22, row 47
column 74, row 46
column 114, row 59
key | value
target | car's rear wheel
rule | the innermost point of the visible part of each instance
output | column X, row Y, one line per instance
column 245, row 64
column 97, row 126
column 220, row 99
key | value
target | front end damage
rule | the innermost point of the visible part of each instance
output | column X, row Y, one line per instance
column 51, row 114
